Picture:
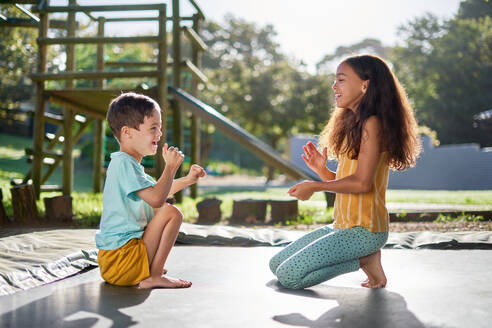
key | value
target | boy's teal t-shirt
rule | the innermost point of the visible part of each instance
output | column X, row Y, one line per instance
column 125, row 214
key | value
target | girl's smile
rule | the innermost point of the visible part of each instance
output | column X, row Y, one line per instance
column 349, row 87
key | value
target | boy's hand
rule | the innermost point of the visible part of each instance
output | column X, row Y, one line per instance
column 196, row 172
column 172, row 156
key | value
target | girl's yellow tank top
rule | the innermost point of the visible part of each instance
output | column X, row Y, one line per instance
column 367, row 210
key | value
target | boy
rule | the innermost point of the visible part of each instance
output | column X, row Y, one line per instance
column 138, row 228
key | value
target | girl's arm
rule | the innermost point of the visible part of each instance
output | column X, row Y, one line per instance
column 359, row 182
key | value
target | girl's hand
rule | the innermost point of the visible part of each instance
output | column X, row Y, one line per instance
column 302, row 191
column 196, row 172
column 172, row 156
column 313, row 158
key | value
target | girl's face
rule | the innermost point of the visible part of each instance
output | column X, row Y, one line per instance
column 349, row 88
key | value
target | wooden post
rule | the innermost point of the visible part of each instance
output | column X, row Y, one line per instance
column 58, row 209
column 283, row 210
column 330, row 199
column 209, row 211
column 98, row 123
column 195, row 121
column 67, row 178
column 178, row 138
column 24, row 205
column 248, row 211
column 3, row 215
column 38, row 136
column 162, row 89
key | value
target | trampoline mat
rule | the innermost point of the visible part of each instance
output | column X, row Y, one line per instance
column 36, row 258
column 233, row 287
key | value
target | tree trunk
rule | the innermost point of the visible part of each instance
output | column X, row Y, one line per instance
column 58, row 209
column 24, row 205
column 206, row 146
column 209, row 211
column 271, row 169
column 284, row 210
column 248, row 211
column 3, row 215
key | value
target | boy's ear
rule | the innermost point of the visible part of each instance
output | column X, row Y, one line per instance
column 126, row 131
column 365, row 85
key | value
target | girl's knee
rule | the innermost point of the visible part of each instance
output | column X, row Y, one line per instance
column 287, row 277
column 274, row 263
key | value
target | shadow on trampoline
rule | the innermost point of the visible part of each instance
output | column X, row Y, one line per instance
column 84, row 306
column 357, row 308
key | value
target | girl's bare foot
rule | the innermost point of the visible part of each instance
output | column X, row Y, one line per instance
column 371, row 264
column 163, row 282
column 367, row 280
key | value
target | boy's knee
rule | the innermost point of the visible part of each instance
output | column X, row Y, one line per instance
column 176, row 213
column 169, row 211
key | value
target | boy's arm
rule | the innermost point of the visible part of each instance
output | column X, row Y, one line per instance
column 196, row 172
column 157, row 194
column 180, row 184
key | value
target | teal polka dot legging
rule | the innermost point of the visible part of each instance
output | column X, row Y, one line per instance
column 323, row 254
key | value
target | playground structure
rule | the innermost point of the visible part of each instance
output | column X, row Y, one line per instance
column 85, row 106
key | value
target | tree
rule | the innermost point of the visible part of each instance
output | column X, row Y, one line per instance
column 373, row 46
column 256, row 86
column 18, row 53
column 446, row 69
column 474, row 9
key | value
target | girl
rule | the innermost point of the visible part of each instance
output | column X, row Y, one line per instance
column 372, row 129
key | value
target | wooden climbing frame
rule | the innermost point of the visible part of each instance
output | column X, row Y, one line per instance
column 83, row 107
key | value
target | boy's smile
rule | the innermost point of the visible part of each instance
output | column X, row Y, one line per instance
column 142, row 141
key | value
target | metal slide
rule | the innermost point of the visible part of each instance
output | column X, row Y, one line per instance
column 243, row 137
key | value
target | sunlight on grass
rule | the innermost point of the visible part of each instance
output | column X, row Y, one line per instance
column 87, row 206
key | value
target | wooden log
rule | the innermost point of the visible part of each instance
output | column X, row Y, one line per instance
column 3, row 215
column 248, row 211
column 283, row 210
column 24, row 205
column 58, row 209
column 209, row 211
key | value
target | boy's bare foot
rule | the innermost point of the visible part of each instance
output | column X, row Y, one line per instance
column 371, row 264
column 163, row 282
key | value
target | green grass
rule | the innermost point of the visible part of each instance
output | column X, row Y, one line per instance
column 87, row 206
column 459, row 197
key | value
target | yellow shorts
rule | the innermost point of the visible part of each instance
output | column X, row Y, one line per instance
column 124, row 266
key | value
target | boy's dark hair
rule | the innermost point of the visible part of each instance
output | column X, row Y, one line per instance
column 129, row 109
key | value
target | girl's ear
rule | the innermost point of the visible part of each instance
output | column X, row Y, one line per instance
column 365, row 85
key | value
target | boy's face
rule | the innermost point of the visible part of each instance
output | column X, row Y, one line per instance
column 144, row 140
